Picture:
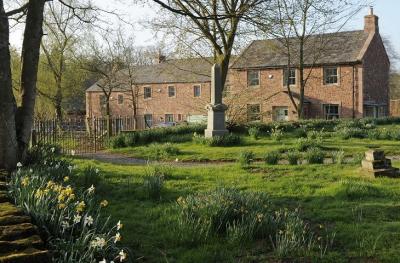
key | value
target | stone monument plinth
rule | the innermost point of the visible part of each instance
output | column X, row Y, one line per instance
column 377, row 165
column 216, row 109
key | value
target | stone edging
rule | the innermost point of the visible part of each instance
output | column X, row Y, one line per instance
column 19, row 238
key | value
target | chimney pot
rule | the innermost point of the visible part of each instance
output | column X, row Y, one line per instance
column 371, row 22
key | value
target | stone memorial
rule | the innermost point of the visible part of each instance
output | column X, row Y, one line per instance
column 216, row 109
column 377, row 165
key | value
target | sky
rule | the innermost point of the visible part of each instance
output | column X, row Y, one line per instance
column 387, row 10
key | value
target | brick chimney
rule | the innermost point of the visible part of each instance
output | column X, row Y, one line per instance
column 371, row 22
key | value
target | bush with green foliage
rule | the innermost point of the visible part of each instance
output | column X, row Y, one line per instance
column 272, row 157
column 42, row 153
column 119, row 141
column 246, row 158
column 338, row 157
column 276, row 134
column 314, row 156
column 254, row 132
column 225, row 212
column 153, row 181
column 303, row 144
column 347, row 133
column 163, row 151
column 225, row 140
column 293, row 157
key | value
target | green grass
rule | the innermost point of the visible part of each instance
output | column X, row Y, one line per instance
column 190, row 151
column 363, row 213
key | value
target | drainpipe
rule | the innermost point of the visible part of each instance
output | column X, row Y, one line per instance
column 354, row 94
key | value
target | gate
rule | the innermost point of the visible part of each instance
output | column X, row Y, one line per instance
column 80, row 135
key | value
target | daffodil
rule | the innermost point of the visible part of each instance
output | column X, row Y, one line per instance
column 25, row 181
column 88, row 220
column 117, row 237
column 122, row 256
column 77, row 218
column 80, row 206
column 66, row 179
column 61, row 206
column 19, row 164
column 119, row 225
column 104, row 203
column 91, row 189
column 64, row 224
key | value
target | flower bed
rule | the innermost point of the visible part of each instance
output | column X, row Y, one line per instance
column 70, row 218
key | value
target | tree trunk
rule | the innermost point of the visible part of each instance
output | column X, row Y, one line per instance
column 302, row 83
column 30, row 59
column 58, row 102
column 8, row 140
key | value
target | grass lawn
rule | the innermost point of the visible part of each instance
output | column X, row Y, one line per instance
column 190, row 151
column 363, row 213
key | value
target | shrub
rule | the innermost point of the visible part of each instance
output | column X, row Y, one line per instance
column 254, row 132
column 374, row 134
column 41, row 153
column 276, row 134
column 293, row 157
column 246, row 158
column 226, row 212
column 302, row 144
column 347, row 133
column 314, row 156
column 71, row 219
column 118, row 142
column 338, row 157
column 357, row 158
column 272, row 157
column 153, row 182
column 225, row 140
column 300, row 132
column 163, row 151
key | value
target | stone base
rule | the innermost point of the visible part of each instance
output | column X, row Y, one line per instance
column 375, row 164
column 213, row 133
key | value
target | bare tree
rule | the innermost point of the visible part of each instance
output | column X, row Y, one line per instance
column 16, row 120
column 299, row 28
column 215, row 22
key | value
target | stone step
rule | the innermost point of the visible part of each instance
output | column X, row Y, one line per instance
column 3, row 186
column 14, row 232
column 9, row 209
column 4, row 197
column 13, row 220
column 29, row 255
column 373, row 155
column 372, row 165
column 17, row 245
column 390, row 172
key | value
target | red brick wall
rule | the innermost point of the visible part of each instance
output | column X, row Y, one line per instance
column 376, row 74
column 270, row 92
column 184, row 103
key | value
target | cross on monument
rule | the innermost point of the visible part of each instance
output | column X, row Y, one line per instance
column 216, row 109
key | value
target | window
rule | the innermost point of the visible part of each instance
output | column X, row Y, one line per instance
column 179, row 117
column 120, row 99
column 196, row 90
column 147, row 92
column 330, row 75
column 253, row 112
column 103, row 101
column 331, row 111
column 292, row 77
column 169, row 118
column 253, row 78
column 280, row 113
column 148, row 120
column 171, row 91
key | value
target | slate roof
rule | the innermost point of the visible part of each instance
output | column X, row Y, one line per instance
column 331, row 48
column 191, row 70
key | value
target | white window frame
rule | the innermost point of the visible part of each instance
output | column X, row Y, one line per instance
column 194, row 90
column 324, row 76
column 169, row 115
column 326, row 116
column 285, row 70
column 249, row 116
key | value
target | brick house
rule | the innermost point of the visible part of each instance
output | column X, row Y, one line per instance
column 170, row 91
column 348, row 77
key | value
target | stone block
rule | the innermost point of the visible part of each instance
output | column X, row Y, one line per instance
column 372, row 165
column 373, row 155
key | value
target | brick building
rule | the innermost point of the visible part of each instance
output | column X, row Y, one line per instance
column 347, row 76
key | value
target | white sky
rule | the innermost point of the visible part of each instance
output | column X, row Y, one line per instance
column 387, row 10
